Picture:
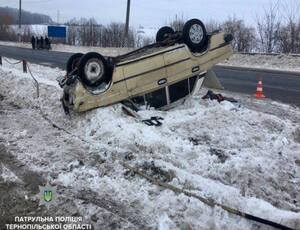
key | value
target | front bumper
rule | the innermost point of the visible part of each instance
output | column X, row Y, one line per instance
column 67, row 83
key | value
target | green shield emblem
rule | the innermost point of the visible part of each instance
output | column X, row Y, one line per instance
column 47, row 195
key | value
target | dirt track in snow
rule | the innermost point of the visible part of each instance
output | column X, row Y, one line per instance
column 23, row 180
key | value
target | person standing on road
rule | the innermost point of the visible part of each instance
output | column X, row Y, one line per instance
column 42, row 42
column 37, row 43
column 33, row 42
column 47, row 43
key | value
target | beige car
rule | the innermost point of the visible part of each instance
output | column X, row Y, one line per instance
column 157, row 75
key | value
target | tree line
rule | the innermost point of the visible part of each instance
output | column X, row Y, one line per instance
column 87, row 32
column 277, row 30
column 27, row 17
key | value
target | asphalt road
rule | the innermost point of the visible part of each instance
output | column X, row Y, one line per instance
column 278, row 85
column 44, row 57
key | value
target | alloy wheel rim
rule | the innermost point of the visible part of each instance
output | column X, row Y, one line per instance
column 94, row 70
column 196, row 33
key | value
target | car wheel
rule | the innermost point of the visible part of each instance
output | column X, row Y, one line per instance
column 73, row 62
column 194, row 35
column 163, row 33
column 93, row 69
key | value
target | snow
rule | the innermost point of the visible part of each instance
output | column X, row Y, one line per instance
column 164, row 222
column 243, row 155
column 106, row 51
column 278, row 62
column 37, row 70
column 8, row 175
column 36, row 29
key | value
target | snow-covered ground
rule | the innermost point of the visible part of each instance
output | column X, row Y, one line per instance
column 280, row 62
column 243, row 155
column 106, row 51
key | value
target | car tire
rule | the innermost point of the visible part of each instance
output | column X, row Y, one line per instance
column 93, row 69
column 194, row 35
column 163, row 33
column 73, row 62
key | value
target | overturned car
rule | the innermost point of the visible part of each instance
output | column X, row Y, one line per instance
column 157, row 75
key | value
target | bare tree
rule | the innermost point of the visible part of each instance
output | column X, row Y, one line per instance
column 26, row 36
column 87, row 32
column 244, row 37
column 290, row 32
column 212, row 25
column 177, row 23
column 6, row 33
column 72, row 32
column 268, row 28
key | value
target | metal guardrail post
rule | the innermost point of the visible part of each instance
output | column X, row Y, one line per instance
column 0, row 60
column 24, row 66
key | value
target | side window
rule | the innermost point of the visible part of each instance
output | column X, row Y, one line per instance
column 157, row 98
column 140, row 100
column 178, row 90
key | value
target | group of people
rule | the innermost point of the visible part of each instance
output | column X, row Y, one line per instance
column 40, row 43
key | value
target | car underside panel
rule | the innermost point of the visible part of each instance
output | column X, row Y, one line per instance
column 179, row 64
column 142, row 76
column 215, row 56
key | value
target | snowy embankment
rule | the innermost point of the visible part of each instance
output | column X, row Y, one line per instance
column 277, row 62
column 243, row 155
column 106, row 51
column 260, row 61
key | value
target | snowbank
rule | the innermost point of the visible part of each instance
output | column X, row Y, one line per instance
column 279, row 62
column 238, row 154
column 106, row 51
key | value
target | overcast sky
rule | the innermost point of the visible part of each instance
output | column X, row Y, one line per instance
column 144, row 12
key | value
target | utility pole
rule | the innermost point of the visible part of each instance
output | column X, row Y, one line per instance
column 20, row 19
column 127, row 23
